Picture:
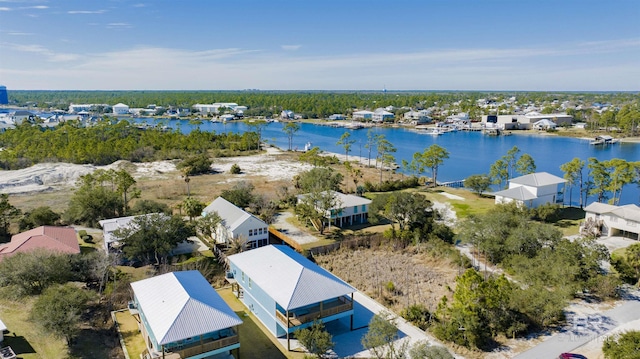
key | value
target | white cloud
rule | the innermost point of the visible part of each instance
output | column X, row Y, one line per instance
column 290, row 47
column 38, row 7
column 18, row 33
column 4, row 8
column 119, row 25
column 139, row 5
column 41, row 50
column 86, row 11
column 159, row 68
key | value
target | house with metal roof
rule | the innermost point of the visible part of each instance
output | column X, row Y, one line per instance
column 349, row 209
column 237, row 223
column 49, row 238
column 181, row 316
column 533, row 190
column 286, row 291
column 610, row 220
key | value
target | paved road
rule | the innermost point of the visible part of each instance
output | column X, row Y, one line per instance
column 584, row 329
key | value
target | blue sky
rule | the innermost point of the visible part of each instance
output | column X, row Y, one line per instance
column 542, row 45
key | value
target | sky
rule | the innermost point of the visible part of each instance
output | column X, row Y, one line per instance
column 524, row 45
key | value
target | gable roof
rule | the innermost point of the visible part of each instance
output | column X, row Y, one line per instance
column 518, row 193
column 344, row 200
column 51, row 238
column 629, row 212
column 290, row 279
column 182, row 305
column 537, row 179
column 112, row 224
column 231, row 215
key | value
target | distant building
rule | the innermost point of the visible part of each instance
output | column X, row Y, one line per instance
column 362, row 115
column 120, row 109
column 524, row 122
column 612, row 220
column 287, row 115
column 337, row 117
column 381, row 115
column 4, row 98
column 348, row 211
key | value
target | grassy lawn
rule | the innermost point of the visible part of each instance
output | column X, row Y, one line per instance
column 130, row 334
column 569, row 222
column 255, row 339
column 27, row 340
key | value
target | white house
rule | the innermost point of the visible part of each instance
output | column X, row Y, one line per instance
column 524, row 122
column 109, row 226
column 544, row 124
column 337, row 117
column 348, row 211
column 612, row 220
column 533, row 190
column 417, row 117
column 237, row 224
column 362, row 115
column 120, row 109
column 287, row 115
column 381, row 115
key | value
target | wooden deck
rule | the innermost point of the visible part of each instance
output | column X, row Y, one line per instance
column 298, row 317
column 195, row 349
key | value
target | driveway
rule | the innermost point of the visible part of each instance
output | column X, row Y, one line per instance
column 293, row 232
column 583, row 329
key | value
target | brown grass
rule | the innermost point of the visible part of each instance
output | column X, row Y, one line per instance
column 417, row 277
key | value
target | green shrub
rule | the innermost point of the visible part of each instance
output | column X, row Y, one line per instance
column 235, row 169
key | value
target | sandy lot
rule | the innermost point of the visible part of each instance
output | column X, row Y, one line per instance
column 47, row 177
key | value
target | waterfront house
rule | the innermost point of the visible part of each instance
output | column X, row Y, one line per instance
column 363, row 115
column 237, row 224
column 181, row 316
column 287, row 115
column 533, row 190
column 544, row 124
column 286, row 291
column 381, row 115
column 120, row 109
column 49, row 238
column 610, row 220
column 524, row 122
column 348, row 210
column 337, row 117
column 417, row 117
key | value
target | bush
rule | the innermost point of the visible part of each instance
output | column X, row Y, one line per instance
column 418, row 315
column 87, row 238
column 235, row 169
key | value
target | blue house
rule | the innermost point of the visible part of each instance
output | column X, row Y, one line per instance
column 181, row 316
column 286, row 291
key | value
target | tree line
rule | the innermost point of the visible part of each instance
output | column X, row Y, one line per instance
column 109, row 141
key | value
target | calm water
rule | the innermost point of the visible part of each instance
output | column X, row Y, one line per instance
column 469, row 152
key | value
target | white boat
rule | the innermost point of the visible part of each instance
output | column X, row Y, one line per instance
column 434, row 132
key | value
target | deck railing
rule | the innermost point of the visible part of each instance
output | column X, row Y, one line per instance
column 297, row 318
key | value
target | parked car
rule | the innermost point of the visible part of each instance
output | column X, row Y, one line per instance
column 571, row 356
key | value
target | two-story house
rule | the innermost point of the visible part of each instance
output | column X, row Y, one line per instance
column 348, row 211
column 237, row 224
column 286, row 291
column 533, row 190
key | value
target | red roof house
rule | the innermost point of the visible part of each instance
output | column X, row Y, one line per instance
column 50, row 238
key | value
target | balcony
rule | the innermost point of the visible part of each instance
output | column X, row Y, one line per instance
column 308, row 314
column 193, row 349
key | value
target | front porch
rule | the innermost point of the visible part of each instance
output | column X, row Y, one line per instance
column 224, row 341
column 300, row 316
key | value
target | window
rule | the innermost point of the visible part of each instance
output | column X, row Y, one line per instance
column 355, row 209
column 364, row 208
column 249, row 283
column 260, row 231
column 251, row 232
column 243, row 276
column 631, row 223
column 613, row 219
column 266, row 230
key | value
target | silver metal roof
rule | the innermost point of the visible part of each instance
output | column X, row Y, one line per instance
column 182, row 305
column 538, row 179
column 231, row 215
column 290, row 279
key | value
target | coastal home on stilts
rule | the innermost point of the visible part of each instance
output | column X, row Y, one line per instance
column 286, row 291
column 180, row 316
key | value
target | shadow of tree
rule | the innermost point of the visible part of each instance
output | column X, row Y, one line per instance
column 19, row 344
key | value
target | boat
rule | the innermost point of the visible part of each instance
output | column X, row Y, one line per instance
column 491, row 132
column 434, row 131
column 603, row 140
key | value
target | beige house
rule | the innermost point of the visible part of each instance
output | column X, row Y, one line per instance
column 608, row 220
